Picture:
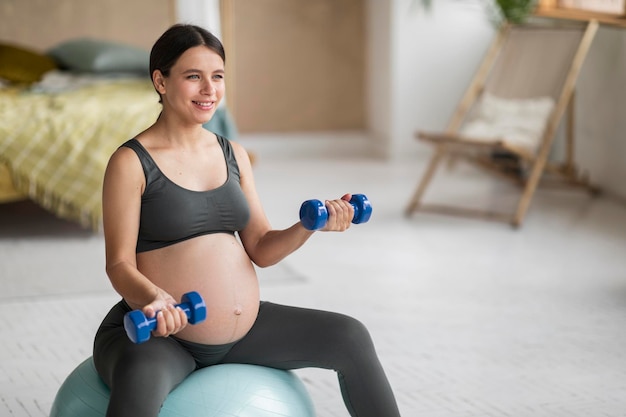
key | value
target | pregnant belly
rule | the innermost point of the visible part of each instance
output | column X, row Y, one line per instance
column 219, row 269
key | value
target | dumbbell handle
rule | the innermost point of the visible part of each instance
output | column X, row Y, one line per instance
column 138, row 326
column 313, row 213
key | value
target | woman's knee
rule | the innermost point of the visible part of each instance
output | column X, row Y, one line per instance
column 350, row 336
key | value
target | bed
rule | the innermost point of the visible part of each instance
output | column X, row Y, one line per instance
column 64, row 110
column 54, row 146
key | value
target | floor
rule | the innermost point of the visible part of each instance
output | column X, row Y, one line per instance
column 470, row 318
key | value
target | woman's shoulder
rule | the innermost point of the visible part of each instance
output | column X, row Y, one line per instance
column 240, row 152
column 124, row 159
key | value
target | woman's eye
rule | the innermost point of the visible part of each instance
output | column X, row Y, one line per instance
column 218, row 77
column 194, row 77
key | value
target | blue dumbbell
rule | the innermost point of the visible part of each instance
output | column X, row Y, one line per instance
column 138, row 326
column 313, row 213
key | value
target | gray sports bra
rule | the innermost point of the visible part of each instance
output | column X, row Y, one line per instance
column 172, row 214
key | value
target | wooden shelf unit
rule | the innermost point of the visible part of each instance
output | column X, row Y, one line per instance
column 550, row 8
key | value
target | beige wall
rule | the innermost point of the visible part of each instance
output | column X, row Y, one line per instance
column 299, row 65
column 40, row 24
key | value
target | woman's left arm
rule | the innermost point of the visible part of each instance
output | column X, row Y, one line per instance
column 266, row 246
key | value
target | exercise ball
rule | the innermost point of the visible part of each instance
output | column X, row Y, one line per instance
column 229, row 390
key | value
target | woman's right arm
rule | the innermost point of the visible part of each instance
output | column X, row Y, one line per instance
column 123, row 186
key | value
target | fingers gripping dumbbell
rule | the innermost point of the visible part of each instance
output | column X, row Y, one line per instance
column 138, row 326
column 313, row 213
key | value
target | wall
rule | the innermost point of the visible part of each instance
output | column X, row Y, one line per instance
column 41, row 24
column 299, row 65
column 600, row 114
column 379, row 60
column 433, row 57
column 419, row 64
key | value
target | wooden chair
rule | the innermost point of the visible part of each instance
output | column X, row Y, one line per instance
column 529, row 69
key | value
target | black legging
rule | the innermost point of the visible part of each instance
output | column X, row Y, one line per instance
column 282, row 337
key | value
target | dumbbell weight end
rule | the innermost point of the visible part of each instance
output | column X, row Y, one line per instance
column 313, row 214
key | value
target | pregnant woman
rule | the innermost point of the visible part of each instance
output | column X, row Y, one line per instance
column 181, row 213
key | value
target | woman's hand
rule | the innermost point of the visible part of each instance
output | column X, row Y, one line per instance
column 170, row 319
column 340, row 214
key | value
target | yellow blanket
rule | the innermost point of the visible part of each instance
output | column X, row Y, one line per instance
column 57, row 145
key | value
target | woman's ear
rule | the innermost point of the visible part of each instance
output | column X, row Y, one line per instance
column 159, row 81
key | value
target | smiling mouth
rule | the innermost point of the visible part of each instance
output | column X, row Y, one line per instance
column 204, row 104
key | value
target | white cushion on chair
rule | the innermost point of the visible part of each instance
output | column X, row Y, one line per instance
column 519, row 122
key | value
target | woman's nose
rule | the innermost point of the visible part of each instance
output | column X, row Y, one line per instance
column 208, row 88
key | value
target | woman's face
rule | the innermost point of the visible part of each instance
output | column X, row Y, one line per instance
column 194, row 87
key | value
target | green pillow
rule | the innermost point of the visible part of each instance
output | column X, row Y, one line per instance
column 92, row 55
column 22, row 65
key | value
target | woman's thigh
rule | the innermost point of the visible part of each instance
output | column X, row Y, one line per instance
column 291, row 337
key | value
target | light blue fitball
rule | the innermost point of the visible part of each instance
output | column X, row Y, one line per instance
column 232, row 390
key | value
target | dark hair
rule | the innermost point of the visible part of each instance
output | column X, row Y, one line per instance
column 175, row 41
